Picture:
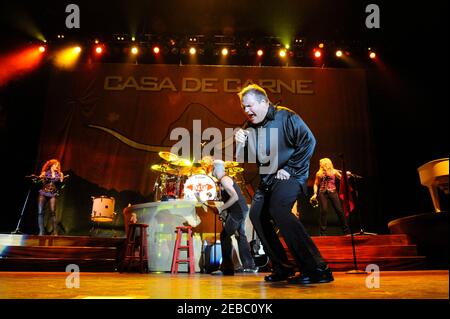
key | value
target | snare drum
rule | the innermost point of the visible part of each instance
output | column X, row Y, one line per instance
column 102, row 209
column 202, row 184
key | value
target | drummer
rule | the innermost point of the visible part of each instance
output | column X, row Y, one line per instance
column 207, row 164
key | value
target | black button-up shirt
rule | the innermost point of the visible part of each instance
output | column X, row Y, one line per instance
column 281, row 141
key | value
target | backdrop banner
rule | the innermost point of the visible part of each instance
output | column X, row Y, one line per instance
column 107, row 122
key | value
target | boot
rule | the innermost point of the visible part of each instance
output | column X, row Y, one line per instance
column 41, row 224
column 55, row 226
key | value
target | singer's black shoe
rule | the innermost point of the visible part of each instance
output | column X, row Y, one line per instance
column 278, row 276
column 318, row 276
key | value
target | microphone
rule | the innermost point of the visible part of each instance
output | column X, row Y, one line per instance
column 240, row 146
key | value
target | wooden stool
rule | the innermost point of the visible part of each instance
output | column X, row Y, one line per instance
column 136, row 238
column 178, row 247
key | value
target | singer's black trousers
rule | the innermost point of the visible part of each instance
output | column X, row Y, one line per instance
column 271, row 206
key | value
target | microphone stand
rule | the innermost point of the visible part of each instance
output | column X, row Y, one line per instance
column 347, row 209
column 17, row 231
column 361, row 228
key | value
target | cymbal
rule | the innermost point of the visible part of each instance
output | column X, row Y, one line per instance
column 170, row 157
column 163, row 168
column 231, row 164
column 191, row 171
column 235, row 170
column 182, row 162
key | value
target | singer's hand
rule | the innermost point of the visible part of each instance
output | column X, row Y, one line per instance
column 241, row 136
column 282, row 174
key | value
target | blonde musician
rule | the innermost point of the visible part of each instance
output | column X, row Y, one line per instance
column 325, row 192
column 236, row 209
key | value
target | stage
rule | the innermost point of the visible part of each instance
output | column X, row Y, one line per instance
column 429, row 284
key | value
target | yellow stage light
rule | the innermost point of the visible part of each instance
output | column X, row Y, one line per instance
column 67, row 58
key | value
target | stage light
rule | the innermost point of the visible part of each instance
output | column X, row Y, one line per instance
column 67, row 58
column 260, row 52
column 134, row 50
column 41, row 49
column 372, row 55
column 282, row 53
column 192, row 51
column 224, row 51
column 156, row 50
column 287, row 46
column 96, row 41
column 317, row 53
column 339, row 53
column 321, row 45
column 18, row 63
column 98, row 49
column 133, row 39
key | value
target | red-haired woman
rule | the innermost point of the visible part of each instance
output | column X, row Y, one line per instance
column 51, row 175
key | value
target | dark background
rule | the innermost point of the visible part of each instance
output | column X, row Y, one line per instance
column 408, row 99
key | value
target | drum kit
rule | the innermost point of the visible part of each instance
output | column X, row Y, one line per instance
column 179, row 178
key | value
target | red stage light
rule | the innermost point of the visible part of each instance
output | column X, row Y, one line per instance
column 156, row 50
column 317, row 54
column 260, row 52
column 18, row 63
column 41, row 49
column 339, row 53
column 372, row 55
column 98, row 49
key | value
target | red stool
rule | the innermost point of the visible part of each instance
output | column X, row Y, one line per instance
column 178, row 247
column 136, row 247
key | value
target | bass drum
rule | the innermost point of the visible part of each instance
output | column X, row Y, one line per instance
column 102, row 209
column 201, row 184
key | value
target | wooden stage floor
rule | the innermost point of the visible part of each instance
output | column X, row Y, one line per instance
column 52, row 285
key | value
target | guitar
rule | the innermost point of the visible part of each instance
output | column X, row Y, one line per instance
column 260, row 258
column 222, row 215
column 257, row 252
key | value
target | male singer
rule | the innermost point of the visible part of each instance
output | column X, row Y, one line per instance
column 281, row 182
